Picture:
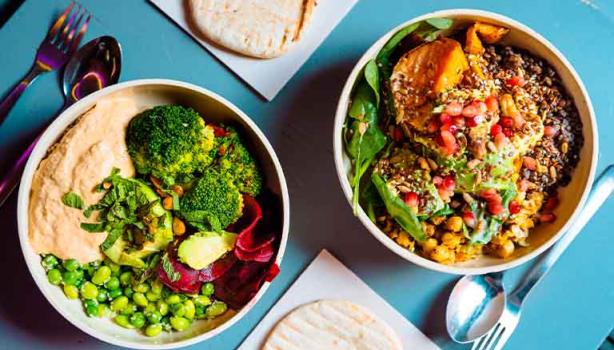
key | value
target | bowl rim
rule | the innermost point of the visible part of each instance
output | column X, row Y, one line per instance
column 55, row 130
column 338, row 148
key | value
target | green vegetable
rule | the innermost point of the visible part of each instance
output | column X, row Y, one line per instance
column 103, row 295
column 54, row 276
column 102, row 275
column 207, row 289
column 440, row 23
column 213, row 203
column 140, row 299
column 372, row 78
column 71, row 265
column 70, row 277
column 366, row 140
column 114, row 293
column 119, row 304
column 179, row 323
column 167, row 266
column 173, row 299
column 235, row 161
column 395, row 206
column 72, row 200
column 93, row 227
column 153, row 330
column 190, row 309
column 203, row 248
column 123, row 321
column 137, row 320
column 71, row 292
column 216, row 309
column 49, row 262
column 169, row 142
column 383, row 57
column 89, row 290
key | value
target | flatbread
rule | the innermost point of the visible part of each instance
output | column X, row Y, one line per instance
column 257, row 28
column 332, row 324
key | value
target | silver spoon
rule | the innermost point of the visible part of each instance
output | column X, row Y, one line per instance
column 94, row 66
column 477, row 303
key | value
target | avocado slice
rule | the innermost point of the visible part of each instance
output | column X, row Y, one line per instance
column 122, row 253
column 203, row 248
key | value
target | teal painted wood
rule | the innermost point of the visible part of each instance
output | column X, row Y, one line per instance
column 571, row 309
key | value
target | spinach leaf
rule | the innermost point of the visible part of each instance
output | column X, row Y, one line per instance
column 367, row 139
column 167, row 266
column 399, row 211
column 371, row 200
column 372, row 78
column 383, row 57
column 92, row 227
column 487, row 226
column 440, row 23
column 72, row 200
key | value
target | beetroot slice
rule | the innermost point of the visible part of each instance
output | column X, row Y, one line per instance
column 263, row 254
column 272, row 272
column 239, row 285
column 217, row 268
column 188, row 281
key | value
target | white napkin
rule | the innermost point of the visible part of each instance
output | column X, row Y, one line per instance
column 327, row 278
column 268, row 76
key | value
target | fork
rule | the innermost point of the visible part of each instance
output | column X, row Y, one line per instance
column 501, row 332
column 61, row 41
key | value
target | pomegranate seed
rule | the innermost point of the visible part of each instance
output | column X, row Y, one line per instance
column 550, row 131
column 445, row 118
column 451, row 128
column 470, row 111
column 529, row 163
column 551, row 203
column 515, row 81
column 448, row 183
column 445, row 195
column 491, row 196
column 432, row 126
column 507, row 122
column 449, row 141
column 514, row 207
column 492, row 104
column 219, row 131
column 411, row 199
column 459, row 121
column 547, row 217
column 469, row 219
column 508, row 132
column 454, row 108
column 437, row 180
column 495, row 129
column 500, row 140
column 480, row 106
column 524, row 185
column 397, row 134
column 495, row 208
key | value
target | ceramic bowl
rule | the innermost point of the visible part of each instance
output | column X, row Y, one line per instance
column 572, row 196
column 150, row 93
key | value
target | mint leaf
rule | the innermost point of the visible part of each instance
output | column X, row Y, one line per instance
column 92, row 227
column 168, row 268
column 113, row 236
column 72, row 200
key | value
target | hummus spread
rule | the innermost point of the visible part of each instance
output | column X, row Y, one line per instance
column 83, row 157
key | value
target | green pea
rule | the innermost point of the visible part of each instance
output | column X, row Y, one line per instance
column 140, row 299
column 216, row 309
column 112, row 283
column 180, row 323
column 200, row 311
column 54, row 276
column 178, row 309
column 115, row 269
column 114, row 293
column 70, row 277
column 49, row 262
column 71, row 264
column 90, row 302
column 153, row 317
column 151, row 307
column 173, row 299
column 103, row 295
column 129, row 309
column 71, row 291
column 89, row 290
column 125, row 278
column 103, row 310
column 157, row 287
column 202, row 300
column 142, row 288
column 137, row 319
column 162, row 307
column 128, row 292
column 153, row 330
column 123, row 321
column 207, row 289
column 101, row 275
column 190, row 309
column 151, row 296
column 119, row 304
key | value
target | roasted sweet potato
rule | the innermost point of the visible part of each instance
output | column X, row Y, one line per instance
column 489, row 33
column 422, row 73
column 473, row 44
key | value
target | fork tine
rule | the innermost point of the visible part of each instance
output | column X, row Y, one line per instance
column 485, row 340
column 65, row 31
column 477, row 344
column 72, row 27
column 74, row 43
column 503, row 339
column 494, row 340
column 58, row 23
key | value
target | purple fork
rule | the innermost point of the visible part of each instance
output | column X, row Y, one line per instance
column 61, row 41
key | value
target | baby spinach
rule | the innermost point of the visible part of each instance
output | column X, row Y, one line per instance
column 372, row 78
column 383, row 57
column 399, row 211
column 72, row 200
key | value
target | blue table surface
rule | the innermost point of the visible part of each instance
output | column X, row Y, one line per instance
column 573, row 308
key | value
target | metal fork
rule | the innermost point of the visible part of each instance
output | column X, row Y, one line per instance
column 61, row 41
column 501, row 332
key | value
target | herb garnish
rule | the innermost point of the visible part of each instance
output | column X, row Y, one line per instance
column 167, row 266
column 72, row 200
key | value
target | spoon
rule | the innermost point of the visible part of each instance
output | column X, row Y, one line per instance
column 94, row 66
column 478, row 302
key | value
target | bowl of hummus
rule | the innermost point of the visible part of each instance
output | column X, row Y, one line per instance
column 153, row 214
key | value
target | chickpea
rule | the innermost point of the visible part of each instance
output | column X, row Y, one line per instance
column 167, row 203
column 454, row 223
column 106, row 185
column 450, row 240
column 436, row 220
column 505, row 249
column 403, row 239
column 178, row 226
column 429, row 245
column 429, row 229
column 178, row 190
column 441, row 254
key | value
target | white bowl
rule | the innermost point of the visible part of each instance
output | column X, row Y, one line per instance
column 151, row 93
column 573, row 195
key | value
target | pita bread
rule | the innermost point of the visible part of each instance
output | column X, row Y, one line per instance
column 332, row 324
column 258, row 28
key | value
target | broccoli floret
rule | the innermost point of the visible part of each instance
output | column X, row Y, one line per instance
column 169, row 142
column 236, row 161
column 213, row 203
